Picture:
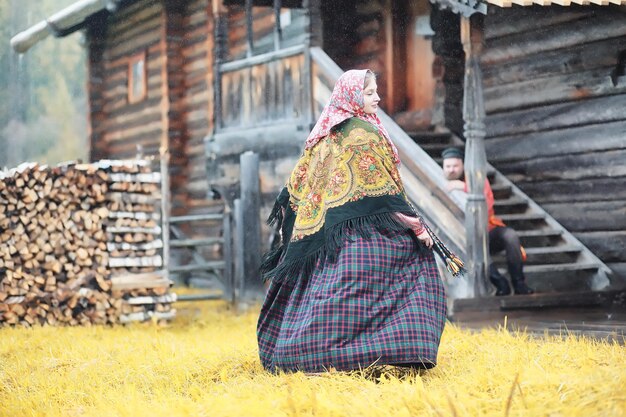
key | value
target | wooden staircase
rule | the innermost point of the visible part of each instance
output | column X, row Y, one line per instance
column 556, row 261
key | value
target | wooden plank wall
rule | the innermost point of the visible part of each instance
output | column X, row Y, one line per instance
column 177, row 37
column 556, row 123
column 263, row 94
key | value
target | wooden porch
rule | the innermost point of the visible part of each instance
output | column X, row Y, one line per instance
column 599, row 315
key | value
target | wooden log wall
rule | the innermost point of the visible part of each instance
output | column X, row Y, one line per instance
column 177, row 39
column 197, row 50
column 447, row 45
column 135, row 29
column 262, row 23
column 555, row 93
column 354, row 36
column 263, row 27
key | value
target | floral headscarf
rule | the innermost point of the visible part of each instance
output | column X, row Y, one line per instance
column 345, row 102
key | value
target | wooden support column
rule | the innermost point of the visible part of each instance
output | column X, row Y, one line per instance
column 307, row 74
column 221, row 34
column 278, row 31
column 475, row 160
column 249, row 29
column 227, row 250
column 250, row 224
column 165, row 207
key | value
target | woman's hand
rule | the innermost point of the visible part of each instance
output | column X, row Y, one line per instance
column 419, row 229
column 425, row 238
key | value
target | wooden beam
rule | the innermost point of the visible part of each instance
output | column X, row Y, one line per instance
column 196, row 218
column 261, row 59
column 501, row 3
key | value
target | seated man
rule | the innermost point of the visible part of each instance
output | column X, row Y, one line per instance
column 501, row 237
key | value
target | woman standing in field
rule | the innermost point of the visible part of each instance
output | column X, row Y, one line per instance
column 355, row 281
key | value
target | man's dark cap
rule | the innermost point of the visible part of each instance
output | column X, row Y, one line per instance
column 452, row 153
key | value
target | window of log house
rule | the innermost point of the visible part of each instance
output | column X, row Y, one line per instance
column 137, row 78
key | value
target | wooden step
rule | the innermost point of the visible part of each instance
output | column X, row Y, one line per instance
column 434, row 149
column 501, row 191
column 563, row 254
column 424, row 137
column 561, row 277
column 526, row 221
column 532, row 301
column 537, row 238
column 510, row 205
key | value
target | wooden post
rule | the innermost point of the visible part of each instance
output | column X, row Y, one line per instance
column 251, row 224
column 307, row 84
column 220, row 33
column 238, row 246
column 227, row 253
column 475, row 161
column 278, row 31
column 165, row 208
column 249, row 29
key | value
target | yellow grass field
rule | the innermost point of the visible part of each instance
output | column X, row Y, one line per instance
column 205, row 364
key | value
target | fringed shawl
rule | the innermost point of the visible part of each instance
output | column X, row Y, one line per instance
column 347, row 182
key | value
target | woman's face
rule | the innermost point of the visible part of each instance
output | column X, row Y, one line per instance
column 370, row 96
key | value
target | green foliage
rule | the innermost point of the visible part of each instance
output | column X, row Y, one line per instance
column 42, row 93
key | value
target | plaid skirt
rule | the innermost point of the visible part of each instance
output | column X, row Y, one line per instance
column 382, row 302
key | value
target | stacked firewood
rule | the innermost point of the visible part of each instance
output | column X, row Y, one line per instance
column 66, row 232
column 134, row 242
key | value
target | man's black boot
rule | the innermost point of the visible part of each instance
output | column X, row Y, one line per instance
column 520, row 287
column 501, row 284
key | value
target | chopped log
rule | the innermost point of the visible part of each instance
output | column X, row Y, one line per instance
column 145, row 316
column 135, row 281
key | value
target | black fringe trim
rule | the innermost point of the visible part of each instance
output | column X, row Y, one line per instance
column 276, row 215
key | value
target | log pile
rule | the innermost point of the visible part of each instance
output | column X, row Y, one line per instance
column 73, row 240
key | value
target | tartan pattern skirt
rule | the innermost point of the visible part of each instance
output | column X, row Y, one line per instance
column 382, row 302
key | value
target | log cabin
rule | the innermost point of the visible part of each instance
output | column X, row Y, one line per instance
column 535, row 91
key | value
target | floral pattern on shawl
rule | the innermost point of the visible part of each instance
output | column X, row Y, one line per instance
column 347, row 101
column 347, row 165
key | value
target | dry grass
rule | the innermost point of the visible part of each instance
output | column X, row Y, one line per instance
column 205, row 364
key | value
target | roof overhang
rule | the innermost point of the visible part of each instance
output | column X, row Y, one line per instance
column 62, row 23
column 469, row 7
column 293, row 4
